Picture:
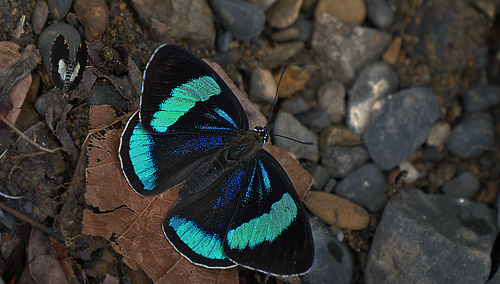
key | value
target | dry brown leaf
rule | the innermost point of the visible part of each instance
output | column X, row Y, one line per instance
column 133, row 223
column 43, row 264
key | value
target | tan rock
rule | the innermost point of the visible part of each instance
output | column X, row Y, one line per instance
column 350, row 11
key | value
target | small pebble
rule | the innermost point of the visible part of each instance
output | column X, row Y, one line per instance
column 295, row 105
column 280, row 55
column 283, row 13
column 94, row 16
column 305, row 27
column 40, row 15
column 262, row 86
column 335, row 210
column 263, row 4
column 331, row 39
column 293, row 80
column 330, row 185
column 333, row 260
column 400, row 124
column 374, row 82
column 465, row 185
column 412, row 172
column 320, row 176
column 243, row 19
column 59, row 8
column 331, row 98
column 340, row 161
column 472, row 136
column 349, row 11
column 365, row 186
column 288, row 34
column 391, row 54
column 379, row 13
column 338, row 135
column 315, row 119
column 224, row 41
column 287, row 125
column 481, row 97
column 438, row 134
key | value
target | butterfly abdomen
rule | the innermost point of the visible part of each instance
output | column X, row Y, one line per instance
column 242, row 149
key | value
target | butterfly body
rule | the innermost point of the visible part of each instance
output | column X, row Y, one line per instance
column 67, row 72
column 237, row 206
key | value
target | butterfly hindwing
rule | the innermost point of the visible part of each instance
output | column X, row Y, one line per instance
column 181, row 93
column 250, row 216
column 59, row 55
column 270, row 232
column 196, row 225
column 153, row 164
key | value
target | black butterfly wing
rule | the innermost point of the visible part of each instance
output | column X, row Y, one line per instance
column 181, row 93
column 269, row 231
column 173, row 106
column 59, row 58
column 79, row 63
column 153, row 163
column 196, row 225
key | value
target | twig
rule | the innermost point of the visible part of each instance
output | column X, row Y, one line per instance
column 20, row 133
column 30, row 221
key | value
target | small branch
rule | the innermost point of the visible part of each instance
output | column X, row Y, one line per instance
column 30, row 221
column 22, row 135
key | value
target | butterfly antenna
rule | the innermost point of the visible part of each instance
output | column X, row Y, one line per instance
column 291, row 139
column 275, row 98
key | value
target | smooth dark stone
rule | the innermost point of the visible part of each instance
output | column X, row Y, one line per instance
column 340, row 161
column 333, row 260
column 470, row 137
column 315, row 119
column 480, row 97
column 379, row 13
column 107, row 95
column 224, row 41
column 243, row 19
column 465, row 185
column 320, row 176
column 400, row 125
column 59, row 8
column 432, row 239
column 365, row 186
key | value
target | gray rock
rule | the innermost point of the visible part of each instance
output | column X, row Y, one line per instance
column 288, row 34
column 331, row 98
column 465, row 185
column 263, row 4
column 262, row 86
column 107, row 95
column 400, row 124
column 39, row 16
column 48, row 35
column 340, row 161
column 295, row 105
column 374, row 82
column 480, row 97
column 365, row 186
column 432, row 239
column 343, row 48
column 379, row 13
column 470, row 137
column 224, row 41
column 283, row 13
column 243, row 19
column 330, row 185
column 320, row 176
column 305, row 27
column 59, row 8
column 333, row 260
column 315, row 119
column 287, row 125
column 191, row 20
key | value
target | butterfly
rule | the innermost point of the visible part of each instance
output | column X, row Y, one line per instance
column 237, row 206
column 67, row 73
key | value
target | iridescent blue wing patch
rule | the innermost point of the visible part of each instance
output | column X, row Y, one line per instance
column 153, row 163
column 181, row 93
column 196, row 225
column 269, row 231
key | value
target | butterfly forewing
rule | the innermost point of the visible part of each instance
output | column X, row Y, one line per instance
column 269, row 231
column 153, row 164
column 80, row 62
column 181, row 93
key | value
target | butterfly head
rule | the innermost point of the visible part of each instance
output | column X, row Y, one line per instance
column 263, row 133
